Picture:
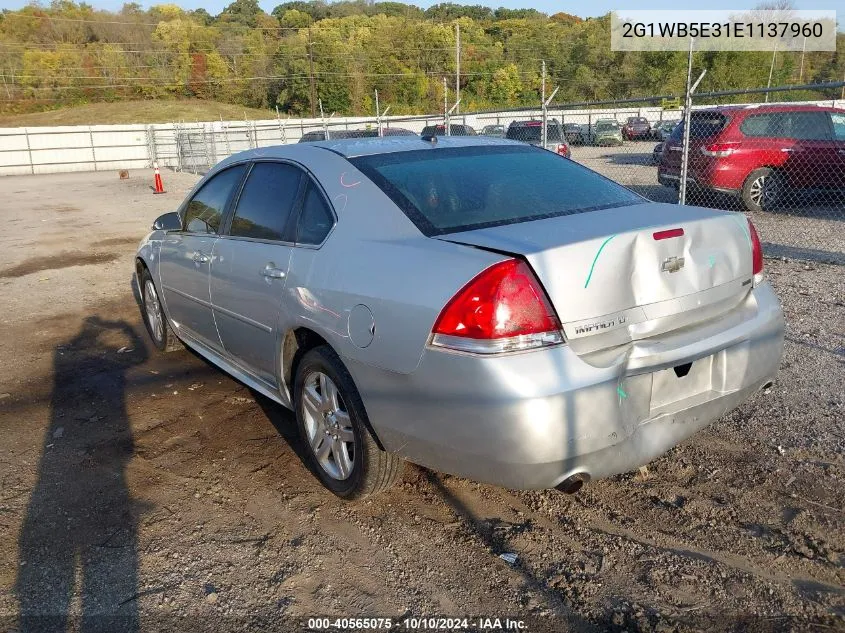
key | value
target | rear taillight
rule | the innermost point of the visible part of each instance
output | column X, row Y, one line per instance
column 756, row 252
column 502, row 309
column 719, row 150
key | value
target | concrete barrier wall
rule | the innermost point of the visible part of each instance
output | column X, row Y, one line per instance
column 195, row 146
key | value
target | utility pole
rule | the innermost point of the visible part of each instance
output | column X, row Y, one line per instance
column 771, row 70
column 801, row 72
column 458, row 66
column 311, row 80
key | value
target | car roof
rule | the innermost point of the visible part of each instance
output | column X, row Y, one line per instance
column 369, row 147
column 780, row 107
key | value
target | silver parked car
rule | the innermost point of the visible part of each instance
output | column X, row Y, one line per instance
column 478, row 306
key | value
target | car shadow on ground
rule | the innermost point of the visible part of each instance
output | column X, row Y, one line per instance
column 638, row 157
column 78, row 560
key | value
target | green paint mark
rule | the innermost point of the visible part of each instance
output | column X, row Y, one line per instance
column 621, row 393
column 595, row 259
column 712, row 261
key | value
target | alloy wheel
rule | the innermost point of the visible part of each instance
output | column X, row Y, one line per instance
column 153, row 309
column 328, row 426
column 763, row 191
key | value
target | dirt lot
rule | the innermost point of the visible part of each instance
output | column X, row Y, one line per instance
column 149, row 491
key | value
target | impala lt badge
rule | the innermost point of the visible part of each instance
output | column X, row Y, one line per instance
column 672, row 264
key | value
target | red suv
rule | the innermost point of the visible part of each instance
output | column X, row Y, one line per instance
column 760, row 153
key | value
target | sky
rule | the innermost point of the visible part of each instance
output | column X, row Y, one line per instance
column 582, row 8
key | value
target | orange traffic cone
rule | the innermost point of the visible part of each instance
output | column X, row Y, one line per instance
column 159, row 185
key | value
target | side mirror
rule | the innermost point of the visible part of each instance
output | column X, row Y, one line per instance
column 168, row 222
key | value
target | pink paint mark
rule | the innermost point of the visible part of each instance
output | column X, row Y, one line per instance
column 351, row 184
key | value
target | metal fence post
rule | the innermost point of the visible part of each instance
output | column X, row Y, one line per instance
column 682, row 186
column 225, row 127
column 177, row 141
column 29, row 150
column 93, row 151
column 212, row 143
column 151, row 144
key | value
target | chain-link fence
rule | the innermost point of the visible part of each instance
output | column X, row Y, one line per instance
column 782, row 163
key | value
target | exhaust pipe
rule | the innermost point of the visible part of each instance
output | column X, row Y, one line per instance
column 573, row 483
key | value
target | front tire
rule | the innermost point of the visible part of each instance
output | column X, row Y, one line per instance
column 761, row 191
column 335, row 432
column 154, row 318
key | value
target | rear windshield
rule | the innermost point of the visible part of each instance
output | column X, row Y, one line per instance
column 456, row 189
column 702, row 125
column 533, row 132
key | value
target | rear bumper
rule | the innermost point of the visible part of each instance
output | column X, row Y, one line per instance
column 531, row 420
column 715, row 175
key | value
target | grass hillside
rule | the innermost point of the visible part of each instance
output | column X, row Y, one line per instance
column 136, row 112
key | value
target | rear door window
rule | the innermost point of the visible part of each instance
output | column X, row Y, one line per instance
column 807, row 126
column 205, row 210
column 454, row 189
column 266, row 202
column 316, row 220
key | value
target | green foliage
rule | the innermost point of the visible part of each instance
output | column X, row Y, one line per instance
column 70, row 53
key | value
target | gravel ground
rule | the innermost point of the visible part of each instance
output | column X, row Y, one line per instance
column 151, row 491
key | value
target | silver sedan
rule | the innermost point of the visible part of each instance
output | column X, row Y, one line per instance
column 477, row 306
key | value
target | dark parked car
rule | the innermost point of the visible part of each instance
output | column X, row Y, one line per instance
column 574, row 133
column 656, row 153
column 455, row 129
column 496, row 131
column 637, row 127
column 320, row 135
column 760, row 153
column 661, row 130
column 532, row 132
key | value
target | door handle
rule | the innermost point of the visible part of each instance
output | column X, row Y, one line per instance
column 273, row 273
column 200, row 258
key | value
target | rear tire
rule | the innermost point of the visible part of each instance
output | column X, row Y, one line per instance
column 335, row 430
column 158, row 328
column 762, row 190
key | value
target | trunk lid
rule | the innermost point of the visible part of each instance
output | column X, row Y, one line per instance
column 611, row 280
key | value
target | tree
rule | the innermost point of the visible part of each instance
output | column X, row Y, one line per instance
column 243, row 12
column 295, row 19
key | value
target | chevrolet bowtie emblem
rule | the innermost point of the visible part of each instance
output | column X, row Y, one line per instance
column 672, row 264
